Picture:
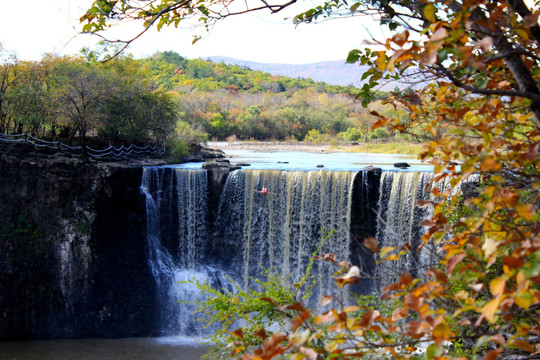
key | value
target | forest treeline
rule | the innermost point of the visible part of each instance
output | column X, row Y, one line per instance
column 167, row 97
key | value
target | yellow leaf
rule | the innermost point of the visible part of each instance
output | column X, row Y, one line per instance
column 522, row 34
column 381, row 60
column 490, row 309
column 490, row 164
column 526, row 211
column 489, row 246
column 385, row 250
column 524, row 300
column 429, row 13
column 351, row 308
column 497, row 285
column 442, row 332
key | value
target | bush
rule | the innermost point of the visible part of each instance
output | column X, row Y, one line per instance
column 191, row 135
column 177, row 147
column 352, row 134
column 379, row 134
column 315, row 136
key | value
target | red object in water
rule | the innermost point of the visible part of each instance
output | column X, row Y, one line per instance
column 264, row 191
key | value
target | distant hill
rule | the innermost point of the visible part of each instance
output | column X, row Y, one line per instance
column 330, row 72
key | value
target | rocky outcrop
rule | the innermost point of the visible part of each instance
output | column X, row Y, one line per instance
column 72, row 248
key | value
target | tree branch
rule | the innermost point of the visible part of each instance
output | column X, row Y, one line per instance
column 475, row 90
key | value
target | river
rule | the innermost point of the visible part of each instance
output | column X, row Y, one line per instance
column 167, row 348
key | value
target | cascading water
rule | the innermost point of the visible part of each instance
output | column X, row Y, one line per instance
column 176, row 208
column 281, row 231
column 399, row 219
column 398, row 222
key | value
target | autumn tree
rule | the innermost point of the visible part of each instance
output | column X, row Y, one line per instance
column 479, row 112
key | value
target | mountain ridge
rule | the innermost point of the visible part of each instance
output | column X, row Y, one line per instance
column 331, row 72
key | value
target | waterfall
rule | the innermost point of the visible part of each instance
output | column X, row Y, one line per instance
column 398, row 221
column 399, row 218
column 176, row 207
column 281, row 232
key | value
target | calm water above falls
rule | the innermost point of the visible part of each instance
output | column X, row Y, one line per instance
column 308, row 161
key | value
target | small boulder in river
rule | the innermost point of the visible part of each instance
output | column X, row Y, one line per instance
column 242, row 164
column 402, row 165
column 320, row 166
column 371, row 168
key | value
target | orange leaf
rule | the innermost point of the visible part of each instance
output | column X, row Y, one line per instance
column 261, row 334
column 326, row 317
column 524, row 345
column 490, row 164
column 326, row 299
column 274, row 341
column 453, row 261
column 238, row 333
column 490, row 309
column 371, row 244
column 354, row 272
column 401, row 38
column 439, row 275
column 296, row 323
column 492, row 354
column 369, row 317
column 526, row 211
column 441, row 333
column 405, row 279
column 309, row 353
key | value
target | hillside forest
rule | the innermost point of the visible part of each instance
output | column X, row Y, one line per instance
column 168, row 98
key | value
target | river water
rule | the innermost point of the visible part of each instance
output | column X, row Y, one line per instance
column 305, row 161
column 169, row 348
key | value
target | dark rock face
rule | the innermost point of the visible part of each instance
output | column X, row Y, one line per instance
column 72, row 251
column 364, row 222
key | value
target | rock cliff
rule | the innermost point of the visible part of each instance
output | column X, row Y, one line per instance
column 72, row 247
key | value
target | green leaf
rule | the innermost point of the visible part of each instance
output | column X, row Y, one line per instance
column 433, row 351
column 353, row 56
column 429, row 13
column 481, row 82
column 355, row 6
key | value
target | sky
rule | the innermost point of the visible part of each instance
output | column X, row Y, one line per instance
column 31, row 28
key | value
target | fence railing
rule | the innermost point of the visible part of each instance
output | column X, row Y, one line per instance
column 95, row 153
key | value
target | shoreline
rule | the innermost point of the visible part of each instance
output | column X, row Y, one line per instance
column 397, row 148
column 273, row 147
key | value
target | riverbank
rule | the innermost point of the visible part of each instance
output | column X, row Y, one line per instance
column 267, row 146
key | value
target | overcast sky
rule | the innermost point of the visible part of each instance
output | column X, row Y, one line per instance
column 32, row 28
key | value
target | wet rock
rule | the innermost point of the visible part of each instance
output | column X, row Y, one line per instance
column 320, row 165
column 402, row 165
column 372, row 168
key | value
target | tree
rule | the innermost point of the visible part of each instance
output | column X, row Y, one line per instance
column 480, row 113
column 27, row 102
column 80, row 91
column 8, row 76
